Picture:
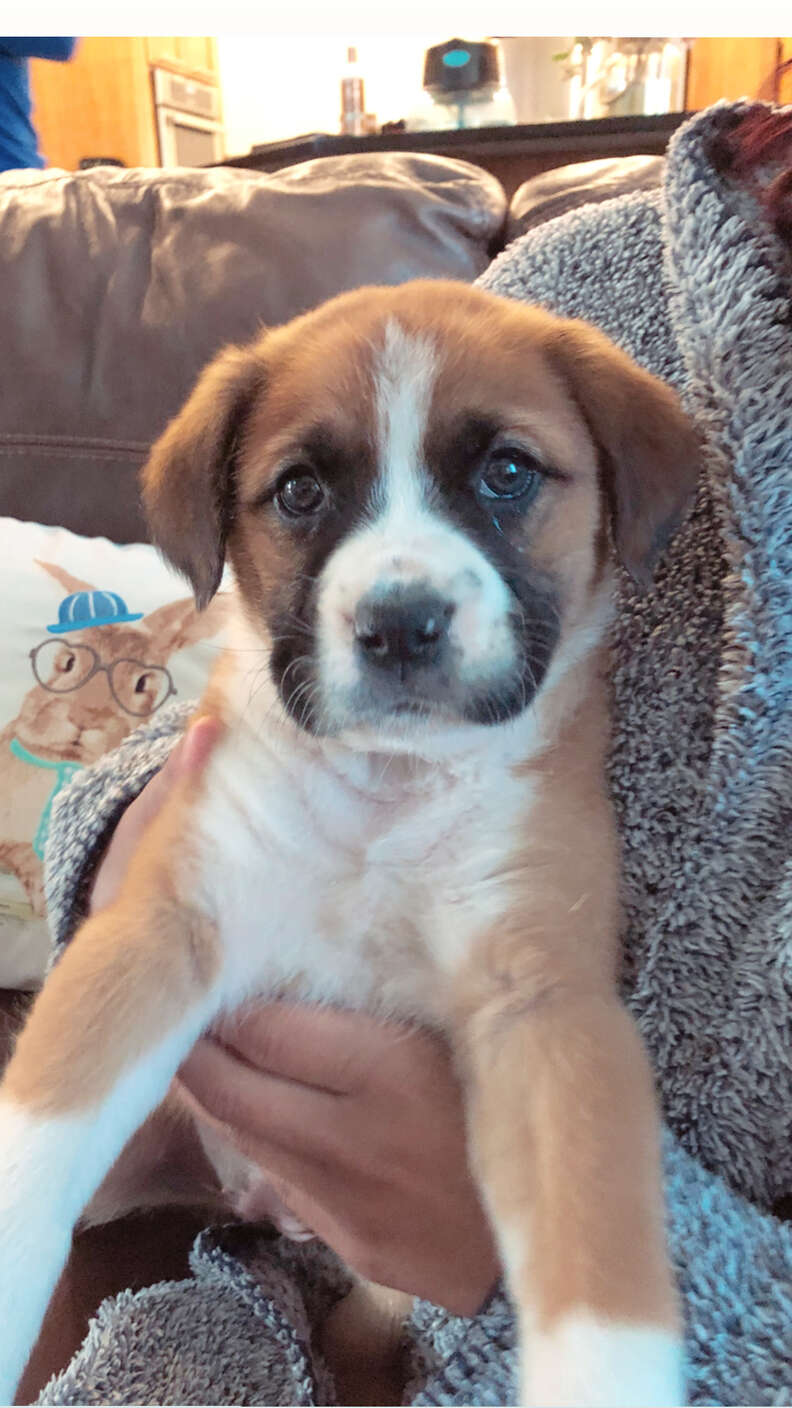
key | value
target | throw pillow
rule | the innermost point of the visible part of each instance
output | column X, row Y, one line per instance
column 96, row 639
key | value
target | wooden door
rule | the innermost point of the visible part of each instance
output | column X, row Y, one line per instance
column 98, row 104
column 785, row 81
column 730, row 68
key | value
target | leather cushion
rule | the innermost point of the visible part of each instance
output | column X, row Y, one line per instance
column 555, row 192
column 117, row 286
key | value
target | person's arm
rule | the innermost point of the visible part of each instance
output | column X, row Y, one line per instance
column 56, row 47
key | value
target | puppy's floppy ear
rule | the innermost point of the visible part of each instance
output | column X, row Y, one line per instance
column 188, row 488
column 649, row 451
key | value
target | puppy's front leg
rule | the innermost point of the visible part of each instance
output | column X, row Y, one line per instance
column 136, row 987
column 564, row 1136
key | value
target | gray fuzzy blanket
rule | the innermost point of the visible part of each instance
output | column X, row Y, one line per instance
column 692, row 284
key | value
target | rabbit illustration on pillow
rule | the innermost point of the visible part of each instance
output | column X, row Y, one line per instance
column 98, row 672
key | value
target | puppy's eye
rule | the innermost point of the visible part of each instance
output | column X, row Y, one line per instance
column 508, row 474
column 299, row 493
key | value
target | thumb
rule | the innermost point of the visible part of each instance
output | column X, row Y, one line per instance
column 188, row 758
column 192, row 753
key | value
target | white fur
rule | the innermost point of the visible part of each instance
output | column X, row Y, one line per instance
column 35, row 1229
column 404, row 376
column 407, row 540
column 49, row 1168
column 331, row 867
column 363, row 873
column 586, row 1362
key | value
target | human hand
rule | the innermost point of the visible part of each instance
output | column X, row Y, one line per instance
column 358, row 1125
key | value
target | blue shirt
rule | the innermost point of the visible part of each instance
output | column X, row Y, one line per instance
column 18, row 142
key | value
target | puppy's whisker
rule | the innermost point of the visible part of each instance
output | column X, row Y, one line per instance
column 307, row 688
column 300, row 690
column 293, row 665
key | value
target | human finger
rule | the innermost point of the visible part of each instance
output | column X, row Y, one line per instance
column 303, row 1119
column 189, row 756
column 331, row 1049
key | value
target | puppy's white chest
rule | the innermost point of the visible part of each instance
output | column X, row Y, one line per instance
column 358, row 884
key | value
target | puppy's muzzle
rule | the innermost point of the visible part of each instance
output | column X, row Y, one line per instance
column 401, row 630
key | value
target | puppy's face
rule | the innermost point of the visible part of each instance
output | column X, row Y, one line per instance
column 418, row 517
column 418, row 514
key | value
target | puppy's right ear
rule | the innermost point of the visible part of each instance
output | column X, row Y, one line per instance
column 188, row 480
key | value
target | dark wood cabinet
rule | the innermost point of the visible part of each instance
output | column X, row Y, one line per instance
column 513, row 154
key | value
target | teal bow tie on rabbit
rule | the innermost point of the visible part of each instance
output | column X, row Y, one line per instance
column 64, row 772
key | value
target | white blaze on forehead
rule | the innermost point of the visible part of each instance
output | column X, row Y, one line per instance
column 404, row 376
column 408, row 538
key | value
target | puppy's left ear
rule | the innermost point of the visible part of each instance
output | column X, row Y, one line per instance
column 188, row 480
column 649, row 450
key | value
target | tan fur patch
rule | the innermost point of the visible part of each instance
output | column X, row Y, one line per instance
column 563, row 1115
column 127, row 978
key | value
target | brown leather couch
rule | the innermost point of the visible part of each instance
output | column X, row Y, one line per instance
column 115, row 288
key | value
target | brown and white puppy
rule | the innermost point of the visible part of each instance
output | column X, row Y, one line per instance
column 418, row 490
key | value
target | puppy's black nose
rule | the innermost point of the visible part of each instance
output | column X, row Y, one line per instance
column 403, row 627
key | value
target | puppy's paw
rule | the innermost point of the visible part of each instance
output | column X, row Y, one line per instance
column 35, row 1231
column 586, row 1362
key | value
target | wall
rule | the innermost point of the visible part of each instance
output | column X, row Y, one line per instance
column 282, row 85
column 535, row 79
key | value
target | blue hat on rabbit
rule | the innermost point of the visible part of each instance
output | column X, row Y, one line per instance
column 83, row 609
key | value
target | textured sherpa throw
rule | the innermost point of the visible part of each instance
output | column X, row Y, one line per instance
column 692, row 283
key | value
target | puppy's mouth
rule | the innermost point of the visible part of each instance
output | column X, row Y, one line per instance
column 408, row 713
column 397, row 668
column 413, row 710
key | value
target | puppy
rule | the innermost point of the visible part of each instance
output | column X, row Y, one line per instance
column 421, row 491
